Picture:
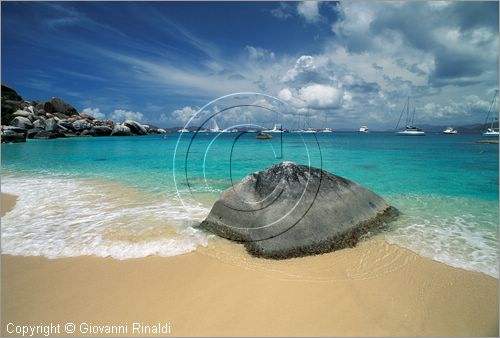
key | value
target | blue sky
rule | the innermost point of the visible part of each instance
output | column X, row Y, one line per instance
column 351, row 62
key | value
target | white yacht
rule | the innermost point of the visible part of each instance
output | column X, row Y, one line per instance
column 491, row 131
column 450, row 131
column 326, row 130
column 310, row 131
column 363, row 129
column 410, row 129
column 183, row 130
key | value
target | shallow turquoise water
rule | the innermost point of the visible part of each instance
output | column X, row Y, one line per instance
column 445, row 185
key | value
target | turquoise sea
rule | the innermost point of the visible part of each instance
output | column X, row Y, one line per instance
column 129, row 197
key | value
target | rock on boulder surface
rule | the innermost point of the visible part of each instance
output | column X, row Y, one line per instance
column 291, row 210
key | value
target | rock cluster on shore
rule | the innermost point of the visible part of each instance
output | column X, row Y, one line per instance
column 55, row 118
column 291, row 210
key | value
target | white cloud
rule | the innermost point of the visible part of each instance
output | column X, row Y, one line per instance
column 120, row 115
column 256, row 53
column 367, row 67
column 285, row 94
column 184, row 114
column 283, row 11
column 314, row 96
column 95, row 112
column 304, row 64
column 319, row 96
column 309, row 10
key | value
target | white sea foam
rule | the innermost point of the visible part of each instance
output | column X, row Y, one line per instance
column 459, row 232
column 65, row 217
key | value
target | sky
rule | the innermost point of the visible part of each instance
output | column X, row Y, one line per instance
column 340, row 65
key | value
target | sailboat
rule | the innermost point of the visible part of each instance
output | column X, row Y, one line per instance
column 363, row 129
column 491, row 131
column 215, row 128
column 274, row 130
column 410, row 129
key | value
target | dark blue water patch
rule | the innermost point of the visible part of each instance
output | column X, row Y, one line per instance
column 368, row 166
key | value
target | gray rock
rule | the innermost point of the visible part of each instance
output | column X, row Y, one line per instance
column 57, row 105
column 32, row 132
column 60, row 128
column 10, row 103
column 22, row 113
column 87, row 116
column 66, row 123
column 87, row 132
column 32, row 117
column 101, row 130
column 81, row 125
column 135, row 127
column 61, row 116
column 121, row 130
column 21, row 122
column 51, row 125
column 39, row 124
column 291, row 210
column 13, row 134
column 44, row 135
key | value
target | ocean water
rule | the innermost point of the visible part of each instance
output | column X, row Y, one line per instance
column 128, row 197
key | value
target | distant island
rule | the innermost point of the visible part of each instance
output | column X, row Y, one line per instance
column 55, row 118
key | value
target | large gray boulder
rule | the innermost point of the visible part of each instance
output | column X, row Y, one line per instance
column 57, row 105
column 135, row 127
column 101, row 130
column 121, row 130
column 51, row 125
column 22, row 113
column 39, row 124
column 21, row 122
column 291, row 210
column 44, row 135
column 13, row 134
column 80, row 125
column 67, row 124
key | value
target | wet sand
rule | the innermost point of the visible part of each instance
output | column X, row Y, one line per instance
column 7, row 203
column 375, row 289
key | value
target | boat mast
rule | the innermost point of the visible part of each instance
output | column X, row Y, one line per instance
column 489, row 110
column 408, row 112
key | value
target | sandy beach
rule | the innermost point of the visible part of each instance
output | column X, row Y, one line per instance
column 375, row 289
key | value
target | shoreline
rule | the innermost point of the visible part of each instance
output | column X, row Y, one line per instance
column 374, row 289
